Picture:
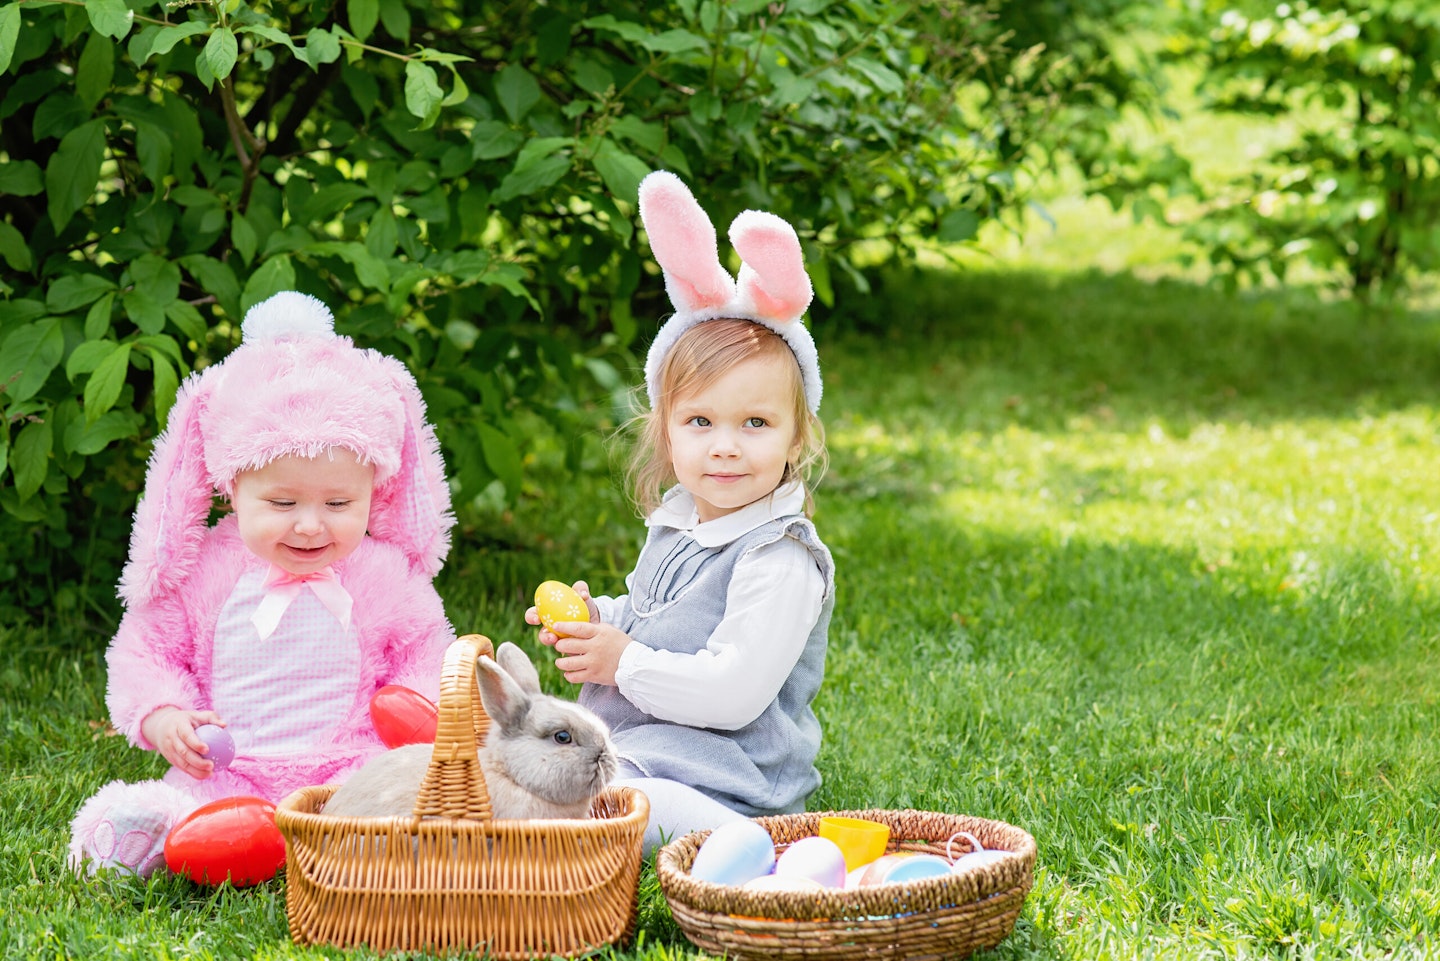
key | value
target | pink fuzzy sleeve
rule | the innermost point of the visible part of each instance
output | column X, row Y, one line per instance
column 161, row 653
column 149, row 664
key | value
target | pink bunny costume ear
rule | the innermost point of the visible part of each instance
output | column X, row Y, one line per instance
column 772, row 288
column 292, row 387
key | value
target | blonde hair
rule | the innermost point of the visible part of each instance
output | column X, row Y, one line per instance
column 699, row 357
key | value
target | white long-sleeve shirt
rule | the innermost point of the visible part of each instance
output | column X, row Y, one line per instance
column 773, row 602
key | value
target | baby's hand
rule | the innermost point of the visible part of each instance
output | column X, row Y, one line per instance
column 172, row 731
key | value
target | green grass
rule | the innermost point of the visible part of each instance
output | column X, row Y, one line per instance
column 1147, row 571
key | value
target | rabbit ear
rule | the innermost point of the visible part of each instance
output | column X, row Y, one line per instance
column 505, row 701
column 519, row 666
column 773, row 284
column 173, row 513
column 682, row 239
column 412, row 508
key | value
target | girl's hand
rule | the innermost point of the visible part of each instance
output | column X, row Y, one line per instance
column 591, row 651
column 172, row 731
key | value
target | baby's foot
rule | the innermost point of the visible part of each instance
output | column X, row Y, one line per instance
column 129, row 839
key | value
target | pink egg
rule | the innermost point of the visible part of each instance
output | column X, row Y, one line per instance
column 221, row 744
column 815, row 859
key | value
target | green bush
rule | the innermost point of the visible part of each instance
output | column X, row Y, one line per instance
column 455, row 179
column 1358, row 192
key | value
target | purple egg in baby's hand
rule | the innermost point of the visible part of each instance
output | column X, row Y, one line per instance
column 221, row 744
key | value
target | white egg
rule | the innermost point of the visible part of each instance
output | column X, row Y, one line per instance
column 816, row 858
column 979, row 859
column 734, row 853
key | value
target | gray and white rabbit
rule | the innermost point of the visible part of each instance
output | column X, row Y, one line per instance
column 544, row 756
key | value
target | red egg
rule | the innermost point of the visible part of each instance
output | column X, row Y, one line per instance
column 234, row 838
column 402, row 716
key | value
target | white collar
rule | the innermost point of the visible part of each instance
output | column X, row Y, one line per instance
column 677, row 510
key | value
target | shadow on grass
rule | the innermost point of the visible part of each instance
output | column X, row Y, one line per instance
column 1035, row 348
column 1176, row 736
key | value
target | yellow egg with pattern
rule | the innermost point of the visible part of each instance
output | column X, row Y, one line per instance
column 556, row 602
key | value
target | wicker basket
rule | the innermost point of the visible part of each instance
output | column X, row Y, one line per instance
column 452, row 877
column 944, row 917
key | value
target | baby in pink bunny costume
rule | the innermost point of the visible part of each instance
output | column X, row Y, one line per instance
column 282, row 619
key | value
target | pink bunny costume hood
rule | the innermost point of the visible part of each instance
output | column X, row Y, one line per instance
column 771, row 289
column 292, row 387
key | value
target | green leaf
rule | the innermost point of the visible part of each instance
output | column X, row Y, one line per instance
column 384, row 234
column 363, row 15
column 331, row 199
column 9, row 33
column 166, row 381
column 459, row 92
column 73, row 171
column 144, row 311
column 13, row 248
column 502, row 457
column 153, row 148
column 30, row 457
column 28, row 356
column 84, row 437
column 217, row 279
column 156, row 42
column 509, row 277
column 884, row 79
column 622, row 172
column 162, row 344
column 220, row 52
column 95, row 69
column 668, row 41
column 321, row 46
column 958, row 225
column 368, row 270
column 97, row 318
column 271, row 34
column 492, row 139
column 186, row 319
column 517, row 91
column 157, row 277
column 22, row 178
column 271, row 277
column 110, row 17
column 530, row 177
column 73, row 291
column 422, row 92
column 243, row 237
column 86, row 357
column 104, row 386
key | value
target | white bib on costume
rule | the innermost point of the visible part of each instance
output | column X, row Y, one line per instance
column 288, row 692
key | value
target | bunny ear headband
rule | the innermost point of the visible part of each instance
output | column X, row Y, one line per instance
column 292, row 387
column 772, row 288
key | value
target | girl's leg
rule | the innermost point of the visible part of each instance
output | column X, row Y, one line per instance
column 124, row 826
column 676, row 809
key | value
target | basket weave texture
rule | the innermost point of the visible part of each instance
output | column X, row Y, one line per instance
column 935, row 918
column 452, row 877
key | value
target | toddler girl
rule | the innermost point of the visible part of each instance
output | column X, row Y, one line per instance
column 282, row 619
column 707, row 668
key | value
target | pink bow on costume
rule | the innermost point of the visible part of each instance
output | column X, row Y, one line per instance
column 282, row 587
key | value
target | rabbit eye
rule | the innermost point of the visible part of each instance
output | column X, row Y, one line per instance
column 562, row 737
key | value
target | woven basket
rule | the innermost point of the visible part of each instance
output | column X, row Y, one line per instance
column 944, row 917
column 452, row 877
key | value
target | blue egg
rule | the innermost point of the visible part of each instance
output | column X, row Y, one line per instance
column 734, row 853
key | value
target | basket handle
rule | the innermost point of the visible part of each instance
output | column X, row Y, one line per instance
column 454, row 785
